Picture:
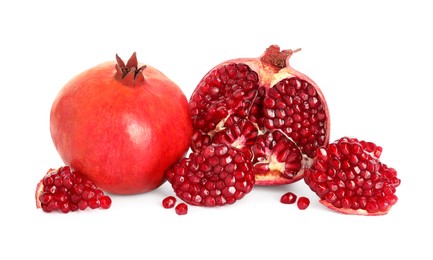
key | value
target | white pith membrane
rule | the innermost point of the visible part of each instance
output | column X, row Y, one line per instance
column 271, row 161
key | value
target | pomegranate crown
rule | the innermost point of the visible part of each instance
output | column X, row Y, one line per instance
column 277, row 58
column 129, row 72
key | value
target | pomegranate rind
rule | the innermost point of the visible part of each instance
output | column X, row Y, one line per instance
column 348, row 211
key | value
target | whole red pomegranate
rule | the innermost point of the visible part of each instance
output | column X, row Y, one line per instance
column 274, row 114
column 121, row 125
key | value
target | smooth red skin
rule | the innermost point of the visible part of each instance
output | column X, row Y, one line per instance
column 122, row 137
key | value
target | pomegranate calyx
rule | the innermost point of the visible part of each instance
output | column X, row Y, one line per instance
column 130, row 72
column 276, row 58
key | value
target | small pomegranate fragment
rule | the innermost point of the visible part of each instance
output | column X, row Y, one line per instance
column 217, row 175
column 181, row 209
column 65, row 190
column 239, row 100
column 303, row 203
column 169, row 202
column 348, row 177
column 288, row 198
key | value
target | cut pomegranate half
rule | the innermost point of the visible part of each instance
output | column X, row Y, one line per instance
column 241, row 99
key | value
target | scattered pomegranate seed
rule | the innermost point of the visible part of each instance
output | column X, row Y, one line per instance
column 169, row 202
column 288, row 198
column 181, row 209
column 303, row 203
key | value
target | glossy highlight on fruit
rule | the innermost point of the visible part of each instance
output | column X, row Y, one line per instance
column 122, row 125
column 348, row 177
column 240, row 101
column 64, row 190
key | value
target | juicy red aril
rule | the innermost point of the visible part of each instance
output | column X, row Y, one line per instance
column 181, row 209
column 303, row 203
column 169, row 202
column 288, row 198
column 349, row 178
column 64, row 190
column 215, row 176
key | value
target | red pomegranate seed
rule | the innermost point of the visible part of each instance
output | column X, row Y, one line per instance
column 303, row 203
column 169, row 202
column 288, row 198
column 181, row 209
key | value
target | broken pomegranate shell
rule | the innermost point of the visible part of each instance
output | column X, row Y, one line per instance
column 239, row 100
column 64, row 190
column 348, row 177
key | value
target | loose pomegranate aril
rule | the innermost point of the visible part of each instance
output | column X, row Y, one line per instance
column 348, row 177
column 288, row 198
column 215, row 176
column 303, row 203
column 241, row 99
column 65, row 190
column 169, row 202
column 181, row 209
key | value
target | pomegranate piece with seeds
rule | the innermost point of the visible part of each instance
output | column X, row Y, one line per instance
column 240, row 100
column 348, row 177
column 65, row 190
column 214, row 176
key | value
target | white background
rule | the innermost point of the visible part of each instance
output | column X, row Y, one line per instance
column 372, row 60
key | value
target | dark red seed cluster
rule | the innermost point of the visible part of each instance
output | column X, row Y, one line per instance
column 215, row 176
column 348, row 177
column 64, row 190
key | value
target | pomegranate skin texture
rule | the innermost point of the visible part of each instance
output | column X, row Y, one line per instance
column 121, row 125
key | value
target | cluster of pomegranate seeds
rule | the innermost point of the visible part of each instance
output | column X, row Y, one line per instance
column 348, row 177
column 215, row 176
column 64, row 190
